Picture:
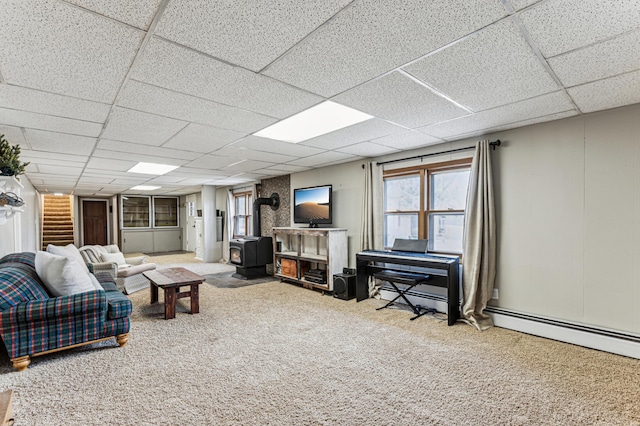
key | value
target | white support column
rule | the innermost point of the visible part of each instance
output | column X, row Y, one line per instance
column 209, row 223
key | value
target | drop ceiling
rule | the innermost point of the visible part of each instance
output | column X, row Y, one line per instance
column 88, row 88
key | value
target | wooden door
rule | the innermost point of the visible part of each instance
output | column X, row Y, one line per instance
column 94, row 222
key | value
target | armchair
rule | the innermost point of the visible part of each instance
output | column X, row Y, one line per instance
column 127, row 272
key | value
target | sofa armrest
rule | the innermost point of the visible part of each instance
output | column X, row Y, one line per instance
column 56, row 307
column 137, row 260
column 110, row 267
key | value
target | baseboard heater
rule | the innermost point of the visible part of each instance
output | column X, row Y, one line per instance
column 564, row 324
column 603, row 339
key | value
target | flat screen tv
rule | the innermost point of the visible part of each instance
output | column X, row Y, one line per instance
column 313, row 205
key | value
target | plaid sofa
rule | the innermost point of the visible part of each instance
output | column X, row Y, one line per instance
column 34, row 323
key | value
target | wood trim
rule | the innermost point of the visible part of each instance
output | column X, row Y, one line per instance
column 443, row 165
column 22, row 362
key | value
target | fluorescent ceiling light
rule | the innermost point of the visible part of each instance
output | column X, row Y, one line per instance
column 315, row 121
column 151, row 168
column 58, row 194
column 145, row 188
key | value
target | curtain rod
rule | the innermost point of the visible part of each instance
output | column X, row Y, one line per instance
column 494, row 144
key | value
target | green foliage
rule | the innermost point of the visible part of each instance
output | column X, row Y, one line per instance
column 10, row 159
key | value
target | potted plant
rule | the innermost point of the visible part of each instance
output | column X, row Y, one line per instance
column 10, row 159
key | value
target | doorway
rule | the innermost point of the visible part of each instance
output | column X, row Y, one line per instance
column 95, row 222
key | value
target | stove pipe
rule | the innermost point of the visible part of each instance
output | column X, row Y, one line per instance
column 273, row 201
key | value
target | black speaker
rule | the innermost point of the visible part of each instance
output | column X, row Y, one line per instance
column 344, row 286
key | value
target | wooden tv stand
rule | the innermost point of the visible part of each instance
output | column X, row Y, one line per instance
column 298, row 250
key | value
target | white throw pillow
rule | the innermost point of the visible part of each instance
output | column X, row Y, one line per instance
column 62, row 275
column 114, row 257
column 68, row 250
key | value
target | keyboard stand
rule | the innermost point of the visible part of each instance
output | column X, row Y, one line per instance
column 408, row 279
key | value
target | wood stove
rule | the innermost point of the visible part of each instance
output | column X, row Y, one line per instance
column 252, row 254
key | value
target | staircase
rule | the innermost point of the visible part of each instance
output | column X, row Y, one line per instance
column 57, row 222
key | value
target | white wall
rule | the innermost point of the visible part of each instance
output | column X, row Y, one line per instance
column 21, row 233
column 568, row 211
column 348, row 182
column 569, row 219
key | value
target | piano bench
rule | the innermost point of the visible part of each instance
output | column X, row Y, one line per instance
column 406, row 278
column 409, row 279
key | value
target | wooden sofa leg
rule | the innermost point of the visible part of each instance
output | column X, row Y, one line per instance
column 122, row 339
column 21, row 363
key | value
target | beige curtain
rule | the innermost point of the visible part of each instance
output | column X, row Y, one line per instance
column 371, row 233
column 479, row 248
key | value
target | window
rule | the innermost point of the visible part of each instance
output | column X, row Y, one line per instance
column 401, row 207
column 427, row 202
column 242, row 220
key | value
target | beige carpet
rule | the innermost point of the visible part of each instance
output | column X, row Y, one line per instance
column 278, row 354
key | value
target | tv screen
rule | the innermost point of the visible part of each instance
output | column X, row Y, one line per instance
column 313, row 205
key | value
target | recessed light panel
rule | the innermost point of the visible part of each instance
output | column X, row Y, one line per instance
column 151, row 168
column 315, row 121
column 145, row 188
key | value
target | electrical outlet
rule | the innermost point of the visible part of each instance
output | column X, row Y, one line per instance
column 495, row 294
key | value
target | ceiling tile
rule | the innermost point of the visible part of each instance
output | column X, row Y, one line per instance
column 42, row 156
column 60, row 143
column 22, row 98
column 543, row 119
column 249, row 154
column 182, row 70
column 372, row 37
column 96, row 180
column 195, row 181
column 250, row 34
column 145, row 158
column 521, row 4
column 66, row 171
column 248, row 165
column 260, row 173
column 109, row 165
column 398, row 98
column 212, row 162
column 139, row 127
column 133, row 148
column 203, row 139
column 610, row 93
column 360, row 132
column 602, row 60
column 169, row 103
column 550, row 103
column 231, row 181
column 167, row 179
column 287, row 168
column 368, row 149
column 187, row 172
column 319, row 159
column 32, row 120
column 138, row 13
column 563, row 25
column 493, row 67
column 60, row 48
column 408, row 139
column 270, row 145
column 14, row 135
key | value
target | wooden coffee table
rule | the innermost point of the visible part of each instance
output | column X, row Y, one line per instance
column 170, row 280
